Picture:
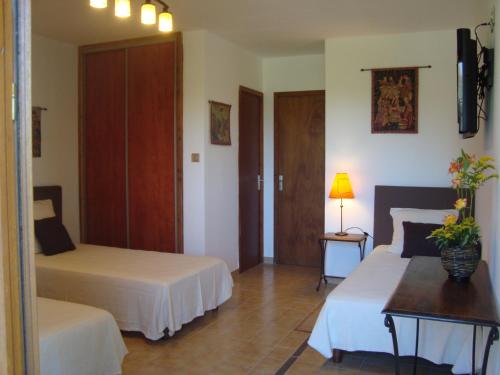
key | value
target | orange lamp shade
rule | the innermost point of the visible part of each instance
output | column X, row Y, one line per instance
column 341, row 187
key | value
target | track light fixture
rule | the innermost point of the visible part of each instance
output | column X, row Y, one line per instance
column 165, row 21
column 148, row 12
column 122, row 8
column 99, row 4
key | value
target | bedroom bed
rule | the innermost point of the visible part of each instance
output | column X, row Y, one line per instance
column 77, row 339
column 351, row 318
column 149, row 292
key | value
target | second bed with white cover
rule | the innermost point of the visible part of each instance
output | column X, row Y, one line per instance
column 145, row 291
column 351, row 318
column 78, row 340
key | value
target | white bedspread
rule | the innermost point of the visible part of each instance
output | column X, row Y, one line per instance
column 145, row 291
column 78, row 340
column 351, row 318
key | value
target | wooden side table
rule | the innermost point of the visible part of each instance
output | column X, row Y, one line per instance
column 360, row 239
column 426, row 293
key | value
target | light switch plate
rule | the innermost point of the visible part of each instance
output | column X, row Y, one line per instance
column 195, row 158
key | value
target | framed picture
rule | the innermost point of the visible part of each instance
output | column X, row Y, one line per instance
column 220, row 123
column 36, row 131
column 395, row 100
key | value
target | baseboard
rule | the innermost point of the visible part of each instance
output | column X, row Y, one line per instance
column 268, row 260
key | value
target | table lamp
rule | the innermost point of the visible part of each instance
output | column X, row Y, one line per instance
column 341, row 188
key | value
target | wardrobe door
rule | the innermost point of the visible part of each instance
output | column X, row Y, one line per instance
column 151, row 88
column 104, row 148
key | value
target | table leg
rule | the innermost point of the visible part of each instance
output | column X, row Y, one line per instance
column 415, row 360
column 474, row 351
column 493, row 336
column 389, row 323
column 364, row 247
column 322, row 246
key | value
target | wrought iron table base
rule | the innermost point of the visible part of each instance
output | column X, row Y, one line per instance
column 322, row 245
column 492, row 337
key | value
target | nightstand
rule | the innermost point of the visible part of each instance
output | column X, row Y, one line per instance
column 360, row 239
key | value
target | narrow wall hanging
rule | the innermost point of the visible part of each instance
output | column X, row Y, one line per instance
column 36, row 130
column 220, row 123
column 395, row 100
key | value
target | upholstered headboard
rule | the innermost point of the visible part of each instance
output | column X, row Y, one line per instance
column 53, row 193
column 387, row 197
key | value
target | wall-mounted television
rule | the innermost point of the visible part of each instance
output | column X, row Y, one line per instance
column 467, row 79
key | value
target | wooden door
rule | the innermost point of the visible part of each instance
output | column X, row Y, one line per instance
column 104, row 163
column 299, row 176
column 250, row 170
column 151, row 147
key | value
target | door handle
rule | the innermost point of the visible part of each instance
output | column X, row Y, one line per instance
column 260, row 180
column 280, row 183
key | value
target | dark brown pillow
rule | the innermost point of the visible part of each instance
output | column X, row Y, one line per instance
column 53, row 236
column 416, row 242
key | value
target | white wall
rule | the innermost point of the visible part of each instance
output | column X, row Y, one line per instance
column 55, row 86
column 280, row 74
column 214, row 69
column 194, row 114
column 489, row 196
column 387, row 159
column 227, row 67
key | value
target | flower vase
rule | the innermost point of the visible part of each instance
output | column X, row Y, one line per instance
column 461, row 263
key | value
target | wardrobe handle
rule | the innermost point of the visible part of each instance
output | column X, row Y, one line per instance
column 280, row 183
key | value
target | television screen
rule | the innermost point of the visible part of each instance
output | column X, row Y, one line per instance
column 467, row 65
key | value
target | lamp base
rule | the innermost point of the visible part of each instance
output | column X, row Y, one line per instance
column 341, row 234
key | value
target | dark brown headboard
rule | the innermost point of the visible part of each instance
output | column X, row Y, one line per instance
column 387, row 197
column 50, row 192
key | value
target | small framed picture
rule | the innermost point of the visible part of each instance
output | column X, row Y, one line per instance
column 220, row 123
column 36, row 131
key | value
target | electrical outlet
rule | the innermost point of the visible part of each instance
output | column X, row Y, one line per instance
column 195, row 158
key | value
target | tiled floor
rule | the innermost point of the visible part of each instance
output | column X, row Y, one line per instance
column 255, row 332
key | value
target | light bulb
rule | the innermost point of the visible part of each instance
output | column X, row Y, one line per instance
column 165, row 22
column 100, row 4
column 122, row 8
column 148, row 14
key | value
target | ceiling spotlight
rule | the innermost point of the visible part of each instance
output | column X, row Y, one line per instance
column 100, row 4
column 165, row 21
column 122, row 8
column 148, row 13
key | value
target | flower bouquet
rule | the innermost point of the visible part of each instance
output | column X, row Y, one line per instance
column 459, row 238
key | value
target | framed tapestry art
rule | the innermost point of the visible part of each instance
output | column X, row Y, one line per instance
column 220, row 123
column 36, row 131
column 395, row 100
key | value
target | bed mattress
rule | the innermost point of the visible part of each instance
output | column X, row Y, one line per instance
column 77, row 340
column 145, row 291
column 351, row 318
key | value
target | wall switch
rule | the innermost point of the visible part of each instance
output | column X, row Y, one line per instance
column 195, row 158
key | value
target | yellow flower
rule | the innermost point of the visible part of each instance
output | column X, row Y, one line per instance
column 486, row 159
column 450, row 220
column 460, row 204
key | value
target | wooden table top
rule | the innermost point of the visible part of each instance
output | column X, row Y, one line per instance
column 349, row 238
column 426, row 292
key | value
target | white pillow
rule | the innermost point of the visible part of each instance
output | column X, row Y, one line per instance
column 43, row 209
column 413, row 215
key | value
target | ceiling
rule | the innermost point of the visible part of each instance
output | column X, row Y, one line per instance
column 266, row 27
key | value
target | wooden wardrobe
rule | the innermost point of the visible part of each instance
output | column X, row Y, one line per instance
column 130, row 144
